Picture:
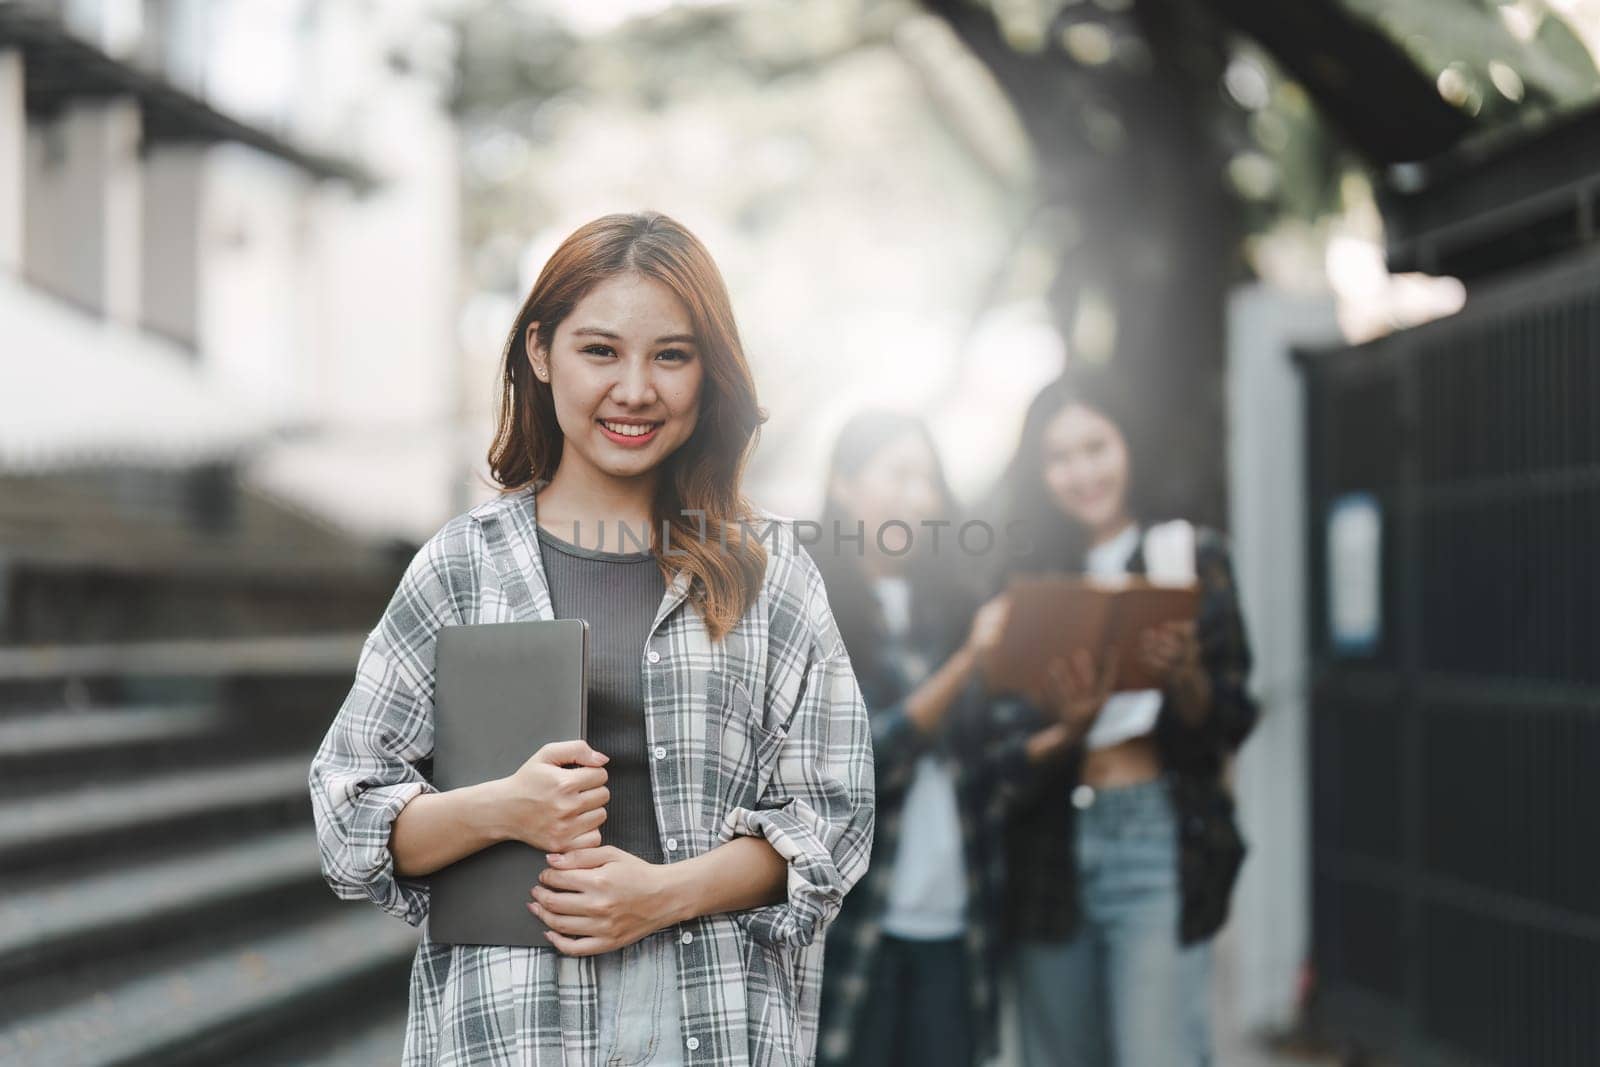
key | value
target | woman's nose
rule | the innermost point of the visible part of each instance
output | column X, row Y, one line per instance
column 635, row 385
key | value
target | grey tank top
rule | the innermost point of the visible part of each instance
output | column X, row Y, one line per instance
column 618, row 593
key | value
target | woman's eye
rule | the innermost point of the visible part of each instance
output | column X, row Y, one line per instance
column 597, row 350
column 675, row 354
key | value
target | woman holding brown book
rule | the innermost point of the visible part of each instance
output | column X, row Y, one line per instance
column 1123, row 852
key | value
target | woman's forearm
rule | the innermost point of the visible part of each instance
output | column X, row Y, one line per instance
column 746, row 872
column 927, row 705
column 1049, row 743
column 435, row 829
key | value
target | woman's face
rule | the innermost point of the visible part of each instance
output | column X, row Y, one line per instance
column 1085, row 465
column 625, row 372
column 899, row 482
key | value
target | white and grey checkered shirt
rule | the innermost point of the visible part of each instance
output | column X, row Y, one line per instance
column 764, row 732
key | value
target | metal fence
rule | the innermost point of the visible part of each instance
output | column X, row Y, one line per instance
column 1456, row 879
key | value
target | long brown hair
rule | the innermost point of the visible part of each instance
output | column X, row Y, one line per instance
column 704, row 475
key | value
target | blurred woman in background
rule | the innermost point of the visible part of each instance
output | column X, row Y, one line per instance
column 911, row 964
column 1123, row 853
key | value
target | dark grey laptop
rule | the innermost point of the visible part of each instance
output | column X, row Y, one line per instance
column 501, row 692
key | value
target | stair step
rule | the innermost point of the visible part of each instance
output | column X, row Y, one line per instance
column 61, row 923
column 213, row 1008
column 61, row 749
column 45, row 733
column 71, row 822
column 377, row 1039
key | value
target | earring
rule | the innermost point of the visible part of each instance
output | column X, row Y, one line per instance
column 541, row 373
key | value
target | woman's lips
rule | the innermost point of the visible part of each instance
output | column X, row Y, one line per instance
column 1091, row 502
column 627, row 435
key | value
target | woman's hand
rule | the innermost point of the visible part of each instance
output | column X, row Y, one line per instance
column 554, row 807
column 930, row 701
column 1073, row 694
column 598, row 899
column 1076, row 689
column 1172, row 652
column 988, row 623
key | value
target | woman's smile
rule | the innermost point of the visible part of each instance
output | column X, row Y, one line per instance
column 629, row 433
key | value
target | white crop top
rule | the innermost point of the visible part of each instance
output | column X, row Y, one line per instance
column 1168, row 557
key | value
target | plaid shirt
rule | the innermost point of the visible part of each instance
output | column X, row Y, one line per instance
column 766, row 734
column 985, row 742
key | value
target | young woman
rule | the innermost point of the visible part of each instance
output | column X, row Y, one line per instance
column 706, row 833
column 1123, row 855
column 911, row 965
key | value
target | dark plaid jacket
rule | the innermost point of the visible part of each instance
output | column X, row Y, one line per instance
column 985, row 740
column 1042, row 890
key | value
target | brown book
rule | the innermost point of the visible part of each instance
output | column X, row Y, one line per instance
column 1055, row 615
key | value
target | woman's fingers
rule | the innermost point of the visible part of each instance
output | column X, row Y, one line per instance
column 585, row 857
column 574, row 751
column 1057, row 686
column 579, row 946
column 989, row 622
column 566, row 880
column 1083, row 672
column 559, row 902
column 564, row 923
column 1060, row 677
column 587, row 839
column 597, row 797
column 584, row 779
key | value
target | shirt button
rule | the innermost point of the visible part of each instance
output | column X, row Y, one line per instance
column 672, row 844
column 661, row 753
column 653, row 656
column 693, row 1043
column 687, row 937
column 1082, row 797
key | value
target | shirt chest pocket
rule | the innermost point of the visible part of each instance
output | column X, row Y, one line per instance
column 741, row 752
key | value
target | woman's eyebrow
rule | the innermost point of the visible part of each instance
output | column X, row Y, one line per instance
column 612, row 335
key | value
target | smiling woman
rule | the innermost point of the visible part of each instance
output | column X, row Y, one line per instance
column 706, row 832
column 624, row 353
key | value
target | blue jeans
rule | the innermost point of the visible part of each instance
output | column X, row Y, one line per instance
column 1122, row 992
column 639, row 1003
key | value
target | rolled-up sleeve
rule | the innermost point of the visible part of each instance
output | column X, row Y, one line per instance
column 366, row 768
column 896, row 744
column 817, row 810
column 817, row 807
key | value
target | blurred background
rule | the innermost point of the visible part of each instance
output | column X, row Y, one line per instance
column 258, row 260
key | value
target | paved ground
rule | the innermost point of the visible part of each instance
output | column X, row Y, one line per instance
column 378, row 1041
column 1234, row 1048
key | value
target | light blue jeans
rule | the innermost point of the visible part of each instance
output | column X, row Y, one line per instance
column 639, row 1003
column 1122, row 992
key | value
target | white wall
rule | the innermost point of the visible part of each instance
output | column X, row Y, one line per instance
column 64, row 192
column 173, row 192
column 1269, row 931
column 338, row 305
column 13, row 159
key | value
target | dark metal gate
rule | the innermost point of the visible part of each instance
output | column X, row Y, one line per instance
column 1456, row 756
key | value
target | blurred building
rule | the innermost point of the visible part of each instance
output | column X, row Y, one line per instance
column 227, row 293
column 227, row 238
